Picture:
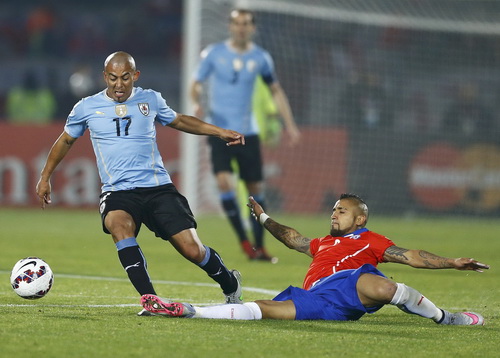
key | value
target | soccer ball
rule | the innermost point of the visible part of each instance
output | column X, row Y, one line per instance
column 31, row 278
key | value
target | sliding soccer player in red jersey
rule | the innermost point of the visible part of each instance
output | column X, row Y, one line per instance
column 342, row 282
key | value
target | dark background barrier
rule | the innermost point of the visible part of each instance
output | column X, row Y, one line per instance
column 395, row 175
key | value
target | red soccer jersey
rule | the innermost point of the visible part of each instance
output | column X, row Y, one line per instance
column 333, row 254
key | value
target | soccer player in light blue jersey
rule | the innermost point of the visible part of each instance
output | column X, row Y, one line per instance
column 136, row 187
column 232, row 67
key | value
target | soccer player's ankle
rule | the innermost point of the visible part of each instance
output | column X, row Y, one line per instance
column 440, row 318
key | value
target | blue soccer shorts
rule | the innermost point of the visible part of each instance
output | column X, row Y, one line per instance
column 332, row 298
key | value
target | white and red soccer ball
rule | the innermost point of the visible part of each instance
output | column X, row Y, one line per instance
column 31, row 278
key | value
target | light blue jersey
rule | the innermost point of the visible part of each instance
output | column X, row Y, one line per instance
column 232, row 77
column 124, row 137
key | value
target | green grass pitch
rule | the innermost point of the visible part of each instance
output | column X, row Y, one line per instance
column 91, row 309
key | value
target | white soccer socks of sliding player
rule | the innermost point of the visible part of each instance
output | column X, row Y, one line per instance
column 245, row 311
column 410, row 300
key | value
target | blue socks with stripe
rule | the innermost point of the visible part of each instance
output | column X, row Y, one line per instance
column 134, row 263
column 232, row 210
column 212, row 264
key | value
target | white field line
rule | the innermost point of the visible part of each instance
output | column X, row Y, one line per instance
column 178, row 283
column 174, row 283
column 156, row 282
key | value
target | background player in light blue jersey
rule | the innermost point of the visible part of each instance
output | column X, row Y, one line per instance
column 136, row 187
column 232, row 67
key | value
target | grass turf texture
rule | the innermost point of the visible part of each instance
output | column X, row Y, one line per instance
column 91, row 308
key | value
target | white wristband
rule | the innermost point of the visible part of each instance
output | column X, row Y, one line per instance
column 262, row 218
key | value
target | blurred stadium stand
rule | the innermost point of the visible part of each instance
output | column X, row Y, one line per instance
column 392, row 86
column 59, row 38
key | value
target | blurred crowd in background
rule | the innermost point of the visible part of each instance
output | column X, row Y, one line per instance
column 342, row 74
column 385, row 78
column 52, row 52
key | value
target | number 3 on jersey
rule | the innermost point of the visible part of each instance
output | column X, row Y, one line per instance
column 119, row 121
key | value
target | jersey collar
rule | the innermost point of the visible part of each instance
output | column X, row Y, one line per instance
column 112, row 100
column 234, row 49
column 356, row 233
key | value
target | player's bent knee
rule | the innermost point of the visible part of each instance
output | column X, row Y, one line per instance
column 386, row 291
column 374, row 289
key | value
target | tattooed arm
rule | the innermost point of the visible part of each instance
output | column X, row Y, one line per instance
column 287, row 235
column 424, row 259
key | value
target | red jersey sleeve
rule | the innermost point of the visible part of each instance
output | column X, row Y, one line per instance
column 379, row 244
column 314, row 246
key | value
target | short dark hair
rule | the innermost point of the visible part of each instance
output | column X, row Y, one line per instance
column 243, row 12
column 356, row 198
column 351, row 196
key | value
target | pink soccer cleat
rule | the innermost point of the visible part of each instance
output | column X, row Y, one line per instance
column 156, row 306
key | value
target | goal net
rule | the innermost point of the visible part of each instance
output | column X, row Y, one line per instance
column 397, row 101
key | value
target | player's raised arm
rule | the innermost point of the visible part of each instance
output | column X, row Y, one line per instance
column 193, row 125
column 424, row 259
column 58, row 151
column 287, row 235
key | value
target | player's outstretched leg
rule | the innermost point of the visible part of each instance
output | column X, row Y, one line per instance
column 411, row 301
column 156, row 306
